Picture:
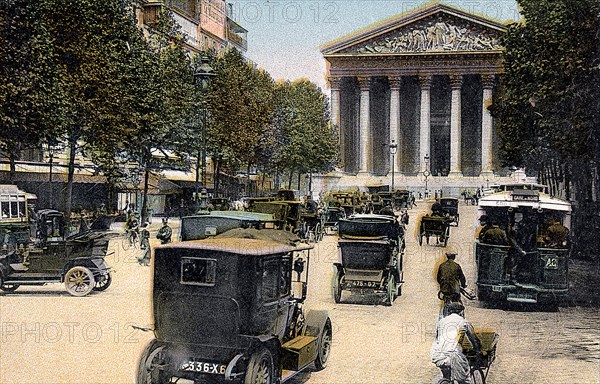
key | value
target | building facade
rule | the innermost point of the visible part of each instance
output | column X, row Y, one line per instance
column 206, row 24
column 423, row 80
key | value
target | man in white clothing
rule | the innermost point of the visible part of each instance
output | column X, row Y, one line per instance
column 446, row 351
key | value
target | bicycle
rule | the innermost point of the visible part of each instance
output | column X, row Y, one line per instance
column 454, row 298
column 130, row 239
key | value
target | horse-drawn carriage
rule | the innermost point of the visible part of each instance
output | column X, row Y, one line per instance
column 371, row 248
column 449, row 206
column 434, row 226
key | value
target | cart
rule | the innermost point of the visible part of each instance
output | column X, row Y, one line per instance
column 480, row 366
column 371, row 249
column 450, row 209
column 434, row 226
column 312, row 225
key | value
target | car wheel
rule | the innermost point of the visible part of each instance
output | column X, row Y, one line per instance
column 324, row 346
column 151, row 365
column 337, row 287
column 79, row 281
column 9, row 287
column 103, row 283
column 391, row 291
column 260, row 368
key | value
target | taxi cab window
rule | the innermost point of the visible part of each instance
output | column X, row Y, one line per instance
column 197, row 271
column 285, row 276
column 270, row 280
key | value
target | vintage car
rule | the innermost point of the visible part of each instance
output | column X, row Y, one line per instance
column 55, row 257
column 371, row 249
column 231, row 310
column 204, row 225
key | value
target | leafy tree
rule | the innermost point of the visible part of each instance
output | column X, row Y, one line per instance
column 241, row 108
column 307, row 142
column 548, row 101
column 29, row 96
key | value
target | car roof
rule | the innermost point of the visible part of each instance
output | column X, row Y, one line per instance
column 238, row 246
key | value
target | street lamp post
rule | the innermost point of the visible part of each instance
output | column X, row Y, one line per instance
column 393, row 150
column 426, row 174
column 203, row 75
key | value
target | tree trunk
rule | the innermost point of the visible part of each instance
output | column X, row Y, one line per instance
column 290, row 180
column 299, row 178
column 72, row 142
column 248, row 180
column 217, row 176
column 145, row 195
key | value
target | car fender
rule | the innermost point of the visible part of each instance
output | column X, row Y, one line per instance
column 315, row 322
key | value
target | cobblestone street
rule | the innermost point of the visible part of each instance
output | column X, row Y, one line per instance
column 48, row 336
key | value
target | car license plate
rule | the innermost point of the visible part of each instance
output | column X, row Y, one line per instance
column 364, row 284
column 203, row 367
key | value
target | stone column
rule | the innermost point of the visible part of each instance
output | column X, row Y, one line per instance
column 455, row 127
column 334, row 85
column 425, row 125
column 364, row 83
column 487, row 166
column 395, row 135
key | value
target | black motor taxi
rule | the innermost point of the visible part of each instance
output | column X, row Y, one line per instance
column 42, row 251
column 230, row 310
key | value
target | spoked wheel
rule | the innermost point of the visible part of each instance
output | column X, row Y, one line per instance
column 103, row 283
column 79, row 281
column 324, row 346
column 477, row 376
column 391, row 291
column 151, row 368
column 260, row 368
column 337, row 286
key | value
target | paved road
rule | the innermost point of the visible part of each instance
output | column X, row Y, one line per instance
column 47, row 336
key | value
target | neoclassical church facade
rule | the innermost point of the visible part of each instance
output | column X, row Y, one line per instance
column 423, row 80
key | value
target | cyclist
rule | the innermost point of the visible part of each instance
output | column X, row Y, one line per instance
column 451, row 278
column 446, row 351
column 132, row 228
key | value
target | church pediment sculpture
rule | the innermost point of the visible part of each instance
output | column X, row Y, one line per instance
column 433, row 36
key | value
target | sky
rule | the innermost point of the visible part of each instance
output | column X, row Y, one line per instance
column 284, row 36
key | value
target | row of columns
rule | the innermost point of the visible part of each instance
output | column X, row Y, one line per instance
column 365, row 138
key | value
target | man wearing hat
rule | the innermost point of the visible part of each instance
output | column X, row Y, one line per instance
column 451, row 278
column 165, row 232
column 446, row 351
column 491, row 233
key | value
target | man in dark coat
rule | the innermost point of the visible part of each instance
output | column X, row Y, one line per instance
column 451, row 278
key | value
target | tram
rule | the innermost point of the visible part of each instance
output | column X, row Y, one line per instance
column 526, row 257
